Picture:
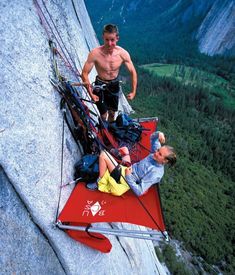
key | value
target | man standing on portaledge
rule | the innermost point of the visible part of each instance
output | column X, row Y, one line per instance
column 107, row 60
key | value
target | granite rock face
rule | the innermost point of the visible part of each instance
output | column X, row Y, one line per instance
column 24, row 247
column 31, row 149
column 216, row 34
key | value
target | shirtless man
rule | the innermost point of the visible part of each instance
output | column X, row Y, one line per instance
column 107, row 60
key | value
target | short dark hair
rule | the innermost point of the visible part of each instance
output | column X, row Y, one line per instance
column 171, row 157
column 110, row 28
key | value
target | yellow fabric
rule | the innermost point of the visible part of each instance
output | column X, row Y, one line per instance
column 108, row 184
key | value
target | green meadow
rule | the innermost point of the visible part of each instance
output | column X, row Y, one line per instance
column 218, row 87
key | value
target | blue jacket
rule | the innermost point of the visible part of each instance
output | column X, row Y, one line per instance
column 146, row 172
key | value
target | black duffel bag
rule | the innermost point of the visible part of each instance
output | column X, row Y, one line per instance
column 126, row 129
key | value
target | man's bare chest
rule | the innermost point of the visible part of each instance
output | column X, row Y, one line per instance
column 109, row 62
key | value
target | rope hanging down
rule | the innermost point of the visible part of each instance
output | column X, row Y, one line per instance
column 52, row 32
column 61, row 170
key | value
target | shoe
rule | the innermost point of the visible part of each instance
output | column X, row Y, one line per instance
column 92, row 186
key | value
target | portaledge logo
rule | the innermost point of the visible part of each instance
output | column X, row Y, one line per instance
column 95, row 208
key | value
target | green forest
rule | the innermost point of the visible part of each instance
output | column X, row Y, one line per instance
column 198, row 193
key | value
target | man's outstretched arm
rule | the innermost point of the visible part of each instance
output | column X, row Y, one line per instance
column 130, row 67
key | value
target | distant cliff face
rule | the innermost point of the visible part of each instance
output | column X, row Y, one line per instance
column 216, row 34
column 211, row 22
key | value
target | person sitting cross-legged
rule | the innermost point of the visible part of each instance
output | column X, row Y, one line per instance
column 117, row 178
